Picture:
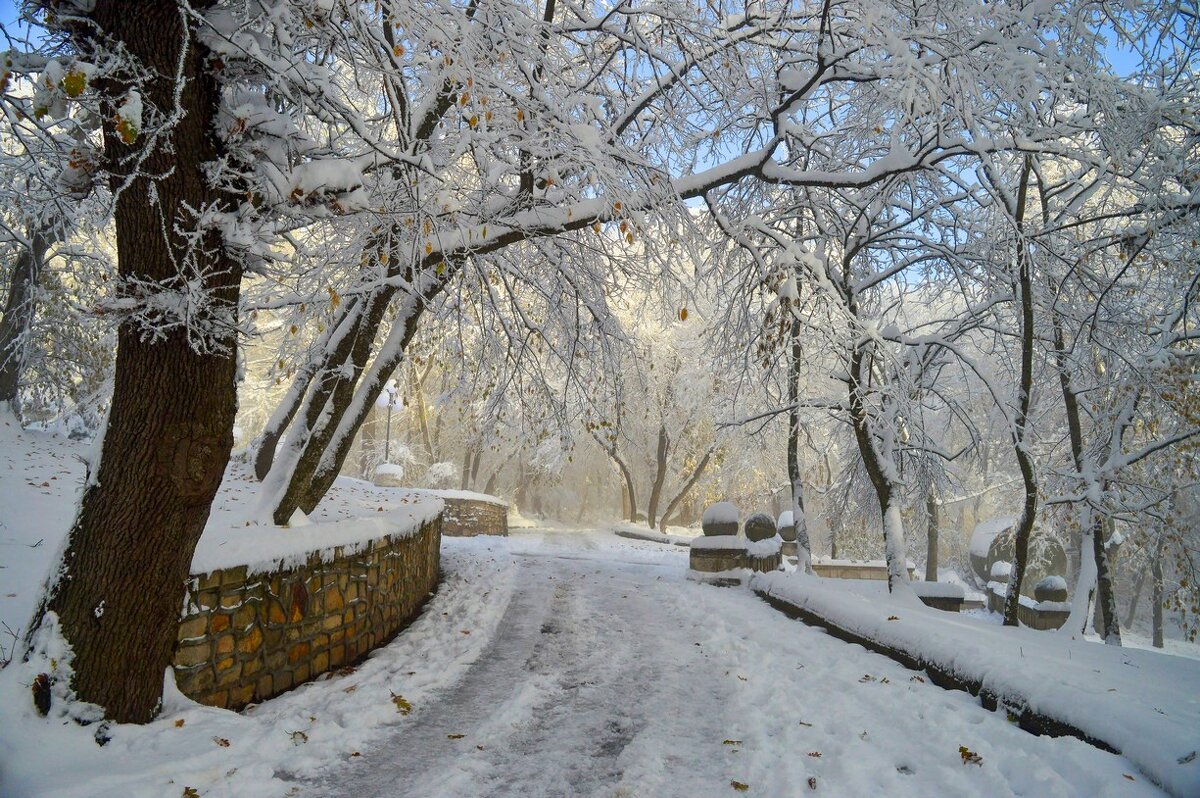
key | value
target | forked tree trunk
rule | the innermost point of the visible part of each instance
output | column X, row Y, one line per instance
column 697, row 472
column 170, row 429
column 660, row 474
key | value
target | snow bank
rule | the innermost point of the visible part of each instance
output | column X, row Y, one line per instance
column 1143, row 704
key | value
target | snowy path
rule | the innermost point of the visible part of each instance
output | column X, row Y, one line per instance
column 609, row 675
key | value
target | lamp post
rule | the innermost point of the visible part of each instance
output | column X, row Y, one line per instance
column 387, row 441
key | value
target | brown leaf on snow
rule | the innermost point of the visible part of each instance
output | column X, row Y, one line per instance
column 893, row 617
column 1131, row 778
column 455, row 736
column 969, row 756
column 737, row 785
column 815, row 754
column 179, row 723
column 221, row 741
column 812, row 783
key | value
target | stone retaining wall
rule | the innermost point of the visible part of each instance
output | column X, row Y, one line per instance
column 246, row 637
column 464, row 518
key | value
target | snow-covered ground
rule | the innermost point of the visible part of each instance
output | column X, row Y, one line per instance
column 573, row 663
column 1143, row 703
column 556, row 662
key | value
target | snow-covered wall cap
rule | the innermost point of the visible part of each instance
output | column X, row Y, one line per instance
column 263, row 549
column 785, row 520
column 463, row 495
column 938, row 589
column 725, row 542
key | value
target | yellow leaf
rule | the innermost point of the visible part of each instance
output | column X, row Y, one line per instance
column 428, row 248
column 402, row 705
column 179, row 723
column 683, row 314
column 398, row 50
column 126, row 130
column 74, row 83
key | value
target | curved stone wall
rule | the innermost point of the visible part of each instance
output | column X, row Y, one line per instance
column 469, row 517
column 245, row 637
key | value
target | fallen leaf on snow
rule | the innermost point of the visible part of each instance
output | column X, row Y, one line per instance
column 179, row 723
column 221, row 741
column 401, row 703
column 455, row 736
column 969, row 756
column 737, row 785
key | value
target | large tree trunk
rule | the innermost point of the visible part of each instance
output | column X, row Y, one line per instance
column 660, row 474
column 169, row 431
column 18, row 314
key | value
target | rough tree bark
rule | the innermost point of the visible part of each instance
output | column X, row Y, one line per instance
column 170, row 429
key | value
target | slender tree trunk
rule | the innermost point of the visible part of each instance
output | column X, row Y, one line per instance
column 697, row 472
column 285, row 413
column 893, row 525
column 466, row 468
column 1156, row 596
column 1131, row 612
column 660, row 474
column 931, row 543
column 170, row 429
column 475, row 467
column 795, row 479
column 1024, row 401
column 19, row 312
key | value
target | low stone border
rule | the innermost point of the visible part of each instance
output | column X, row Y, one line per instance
column 464, row 518
column 245, row 637
column 942, row 675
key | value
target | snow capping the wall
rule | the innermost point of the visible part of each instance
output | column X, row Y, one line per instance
column 1142, row 704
